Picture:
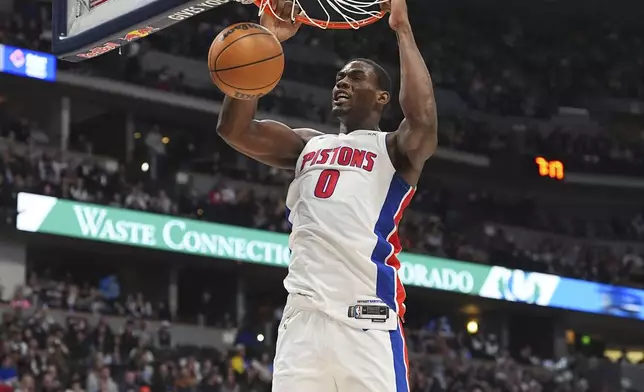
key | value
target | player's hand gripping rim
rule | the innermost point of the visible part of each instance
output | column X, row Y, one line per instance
column 280, row 18
column 398, row 14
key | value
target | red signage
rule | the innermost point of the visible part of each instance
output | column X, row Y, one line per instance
column 95, row 52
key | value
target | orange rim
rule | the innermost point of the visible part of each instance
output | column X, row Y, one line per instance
column 323, row 24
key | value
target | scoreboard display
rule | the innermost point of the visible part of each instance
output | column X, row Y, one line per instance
column 550, row 168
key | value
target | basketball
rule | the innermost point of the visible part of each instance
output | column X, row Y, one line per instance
column 246, row 61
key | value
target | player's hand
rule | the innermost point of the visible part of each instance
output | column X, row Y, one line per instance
column 398, row 15
column 279, row 18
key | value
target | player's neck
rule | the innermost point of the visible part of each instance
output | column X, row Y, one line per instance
column 365, row 125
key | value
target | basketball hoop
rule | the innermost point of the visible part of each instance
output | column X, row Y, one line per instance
column 356, row 13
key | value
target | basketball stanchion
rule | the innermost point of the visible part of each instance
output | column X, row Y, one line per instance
column 354, row 13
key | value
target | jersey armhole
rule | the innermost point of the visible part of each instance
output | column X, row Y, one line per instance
column 382, row 142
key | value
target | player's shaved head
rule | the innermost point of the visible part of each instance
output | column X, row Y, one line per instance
column 384, row 80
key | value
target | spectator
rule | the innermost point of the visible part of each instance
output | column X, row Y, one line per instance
column 72, row 298
column 230, row 385
column 101, row 382
column 162, row 380
column 205, row 308
column 253, row 383
column 110, row 289
column 164, row 337
column 27, row 384
column 423, row 383
column 78, row 191
column 162, row 203
column 137, row 199
column 212, row 383
column 141, row 357
column 80, row 345
column 8, row 371
column 238, row 360
column 163, row 311
column 264, row 367
column 19, row 302
column 58, row 355
column 143, row 335
column 128, row 339
column 144, row 308
column 103, row 338
column 186, row 382
column 50, row 381
column 129, row 383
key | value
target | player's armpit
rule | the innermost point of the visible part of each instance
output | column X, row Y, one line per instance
column 417, row 143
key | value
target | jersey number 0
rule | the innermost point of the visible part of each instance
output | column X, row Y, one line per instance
column 326, row 183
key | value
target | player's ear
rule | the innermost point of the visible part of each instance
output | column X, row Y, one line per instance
column 383, row 97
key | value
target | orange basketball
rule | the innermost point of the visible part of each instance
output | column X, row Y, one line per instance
column 246, row 61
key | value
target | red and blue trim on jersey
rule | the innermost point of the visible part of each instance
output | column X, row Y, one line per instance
column 400, row 358
column 389, row 288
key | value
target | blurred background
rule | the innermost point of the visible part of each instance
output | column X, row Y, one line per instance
column 138, row 252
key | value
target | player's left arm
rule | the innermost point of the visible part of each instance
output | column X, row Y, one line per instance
column 417, row 135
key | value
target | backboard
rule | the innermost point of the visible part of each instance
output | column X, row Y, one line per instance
column 84, row 29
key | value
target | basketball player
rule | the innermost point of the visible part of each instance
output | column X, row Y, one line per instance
column 341, row 328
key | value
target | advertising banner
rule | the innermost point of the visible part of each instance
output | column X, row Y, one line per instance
column 44, row 214
column 29, row 63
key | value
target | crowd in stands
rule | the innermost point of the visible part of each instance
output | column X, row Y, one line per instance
column 39, row 352
column 503, row 64
column 102, row 298
column 68, row 290
column 581, row 152
column 448, row 224
column 496, row 64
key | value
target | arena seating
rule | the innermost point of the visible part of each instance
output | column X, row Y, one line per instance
column 478, row 236
column 41, row 354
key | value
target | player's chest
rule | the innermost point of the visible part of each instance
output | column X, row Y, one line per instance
column 341, row 154
column 342, row 169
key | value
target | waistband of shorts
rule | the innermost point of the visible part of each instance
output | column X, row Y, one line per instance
column 302, row 302
column 339, row 312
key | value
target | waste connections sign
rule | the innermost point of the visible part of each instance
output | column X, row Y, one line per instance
column 44, row 214
column 50, row 215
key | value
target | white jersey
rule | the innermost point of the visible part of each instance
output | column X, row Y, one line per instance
column 344, row 206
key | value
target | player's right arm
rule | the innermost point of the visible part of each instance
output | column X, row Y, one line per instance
column 266, row 141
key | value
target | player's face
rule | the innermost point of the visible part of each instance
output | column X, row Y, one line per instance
column 356, row 91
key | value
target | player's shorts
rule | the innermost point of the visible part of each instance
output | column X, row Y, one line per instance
column 316, row 353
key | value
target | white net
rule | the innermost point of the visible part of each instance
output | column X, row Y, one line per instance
column 348, row 11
